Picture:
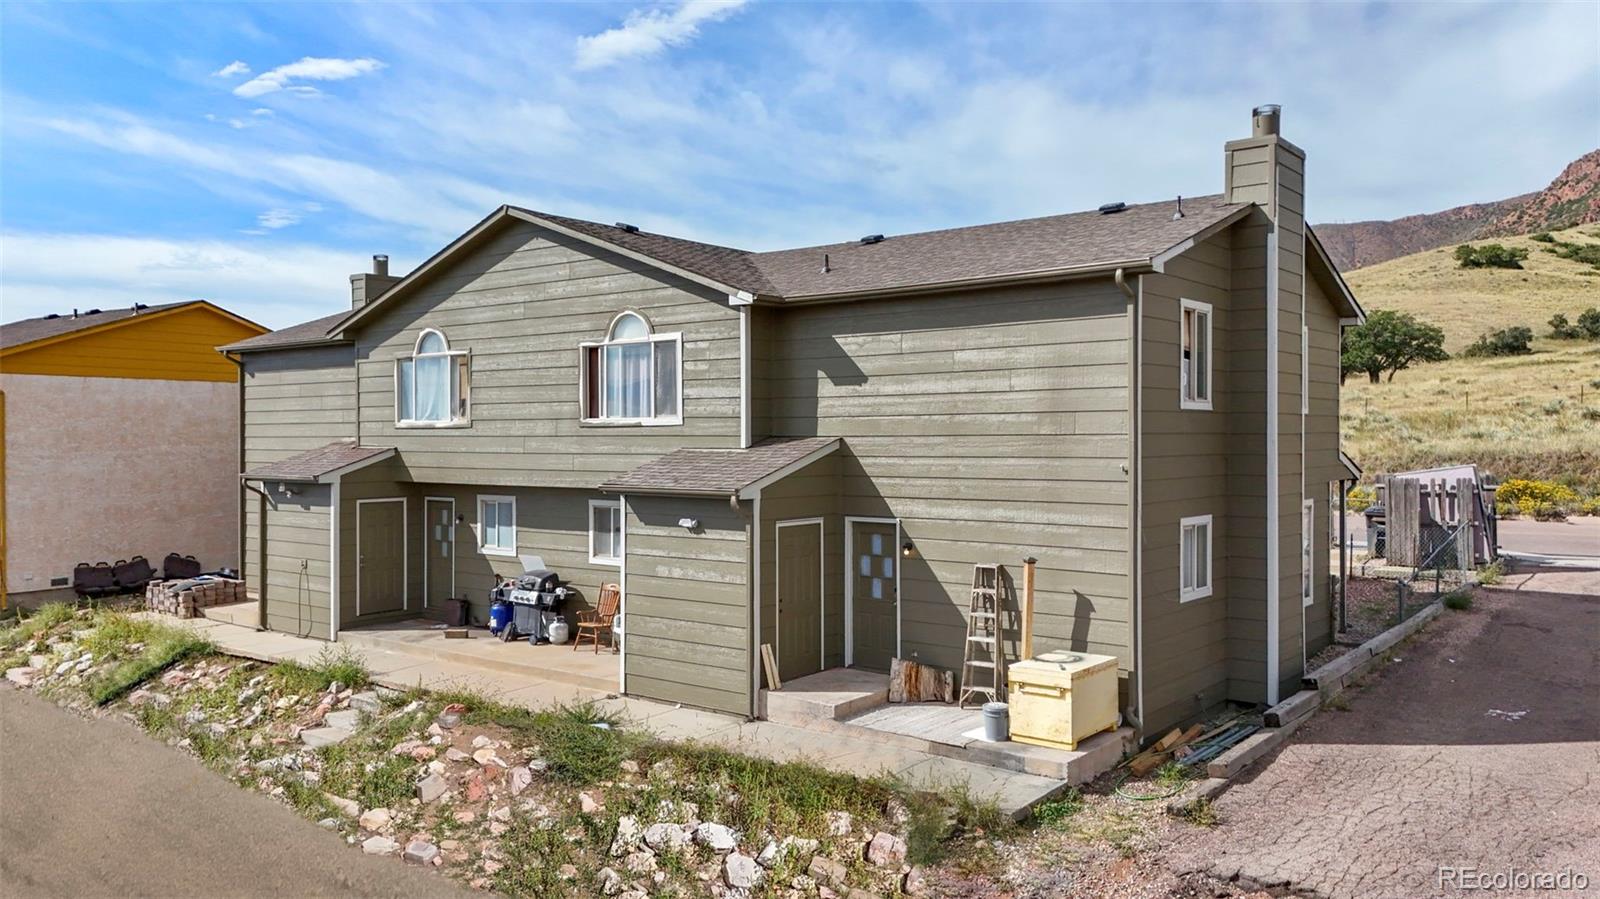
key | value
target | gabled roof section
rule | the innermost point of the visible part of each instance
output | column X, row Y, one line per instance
column 723, row 472
column 1327, row 274
column 30, row 333
column 322, row 464
column 311, row 333
column 723, row 269
column 1005, row 252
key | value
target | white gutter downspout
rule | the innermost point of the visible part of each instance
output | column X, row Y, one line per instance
column 621, row 634
column 333, row 561
column 1273, row 525
column 1136, row 539
column 755, row 636
column 744, row 377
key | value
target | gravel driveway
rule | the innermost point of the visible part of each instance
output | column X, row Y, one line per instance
column 1479, row 747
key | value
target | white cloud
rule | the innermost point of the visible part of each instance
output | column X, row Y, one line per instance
column 274, row 219
column 648, row 32
column 261, row 111
column 231, row 69
column 274, row 284
column 310, row 68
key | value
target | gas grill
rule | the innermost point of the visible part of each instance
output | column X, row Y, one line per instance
column 536, row 597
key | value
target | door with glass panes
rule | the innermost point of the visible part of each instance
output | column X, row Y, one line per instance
column 874, row 593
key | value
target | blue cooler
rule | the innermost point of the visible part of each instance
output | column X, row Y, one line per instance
column 499, row 615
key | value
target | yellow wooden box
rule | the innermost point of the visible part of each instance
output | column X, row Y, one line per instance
column 1059, row 698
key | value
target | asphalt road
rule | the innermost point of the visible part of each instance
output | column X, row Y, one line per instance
column 94, row 808
column 1578, row 536
column 1476, row 747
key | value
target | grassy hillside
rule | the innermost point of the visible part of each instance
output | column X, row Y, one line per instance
column 1467, row 302
column 1521, row 416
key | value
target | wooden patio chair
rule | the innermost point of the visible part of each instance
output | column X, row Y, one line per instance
column 598, row 620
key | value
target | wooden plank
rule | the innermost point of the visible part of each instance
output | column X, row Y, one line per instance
column 770, row 665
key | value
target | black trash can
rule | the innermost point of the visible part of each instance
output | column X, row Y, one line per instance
column 455, row 612
column 1377, row 532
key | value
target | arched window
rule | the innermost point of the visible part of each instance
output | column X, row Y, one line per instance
column 431, row 386
column 633, row 376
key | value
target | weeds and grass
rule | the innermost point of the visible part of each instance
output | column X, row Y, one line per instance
column 329, row 666
column 1492, row 573
column 1337, row 702
column 48, row 617
column 1200, row 812
column 1458, row 601
column 1053, row 812
column 533, row 858
column 164, row 647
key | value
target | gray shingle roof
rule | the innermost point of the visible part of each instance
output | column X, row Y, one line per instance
column 1026, row 246
column 315, row 464
column 907, row 261
column 719, row 472
column 311, row 332
column 28, row 330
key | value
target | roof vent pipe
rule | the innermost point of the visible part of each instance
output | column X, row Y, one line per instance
column 380, row 264
column 1178, row 213
column 1264, row 120
column 825, row 266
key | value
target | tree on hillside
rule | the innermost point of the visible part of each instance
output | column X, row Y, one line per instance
column 1388, row 342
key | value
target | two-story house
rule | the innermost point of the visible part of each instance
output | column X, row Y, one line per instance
column 811, row 448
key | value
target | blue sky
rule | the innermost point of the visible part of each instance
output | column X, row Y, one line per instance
column 256, row 155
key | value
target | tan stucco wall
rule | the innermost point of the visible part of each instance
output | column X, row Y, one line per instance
column 101, row 469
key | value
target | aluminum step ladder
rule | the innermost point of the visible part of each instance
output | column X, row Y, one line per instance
column 982, row 659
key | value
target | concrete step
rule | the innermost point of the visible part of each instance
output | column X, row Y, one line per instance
column 244, row 614
column 831, row 695
column 457, row 651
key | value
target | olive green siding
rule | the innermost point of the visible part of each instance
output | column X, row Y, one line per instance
column 994, row 425
column 1270, row 171
column 811, row 492
column 1185, row 461
column 687, row 609
column 1323, row 466
column 521, row 305
column 296, row 559
column 294, row 400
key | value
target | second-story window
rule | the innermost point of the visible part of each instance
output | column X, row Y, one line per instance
column 1195, row 361
column 432, row 385
column 634, row 375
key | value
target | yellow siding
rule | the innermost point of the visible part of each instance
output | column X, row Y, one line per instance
column 176, row 345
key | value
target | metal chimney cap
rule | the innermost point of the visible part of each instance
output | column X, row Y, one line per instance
column 380, row 264
column 1264, row 119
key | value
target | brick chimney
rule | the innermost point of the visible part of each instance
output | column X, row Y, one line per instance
column 368, row 285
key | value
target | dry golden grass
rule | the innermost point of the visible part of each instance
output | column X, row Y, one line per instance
column 1534, row 416
column 1467, row 302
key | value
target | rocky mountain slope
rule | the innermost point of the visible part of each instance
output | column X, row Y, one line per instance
column 1572, row 198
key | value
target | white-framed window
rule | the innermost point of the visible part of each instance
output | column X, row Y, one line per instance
column 432, row 386
column 1308, row 524
column 1305, row 369
column 497, row 525
column 634, row 376
column 1194, row 362
column 605, row 531
column 1194, row 558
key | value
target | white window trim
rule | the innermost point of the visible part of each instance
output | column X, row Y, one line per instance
column 585, row 414
column 448, row 353
column 1308, row 549
column 1211, row 561
column 615, row 505
column 1184, row 305
column 496, row 551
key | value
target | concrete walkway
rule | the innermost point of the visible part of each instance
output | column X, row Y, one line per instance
column 1014, row 792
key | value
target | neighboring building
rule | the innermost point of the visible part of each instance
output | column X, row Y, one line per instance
column 121, row 438
column 1143, row 398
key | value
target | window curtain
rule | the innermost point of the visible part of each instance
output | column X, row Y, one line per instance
column 666, row 381
column 402, row 386
column 433, row 388
column 628, row 380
